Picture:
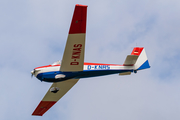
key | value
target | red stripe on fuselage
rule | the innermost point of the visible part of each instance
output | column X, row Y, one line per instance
column 84, row 64
column 101, row 64
column 47, row 66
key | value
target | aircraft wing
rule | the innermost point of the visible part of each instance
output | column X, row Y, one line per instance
column 51, row 98
column 73, row 57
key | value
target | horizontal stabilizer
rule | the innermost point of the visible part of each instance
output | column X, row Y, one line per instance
column 125, row 73
column 130, row 60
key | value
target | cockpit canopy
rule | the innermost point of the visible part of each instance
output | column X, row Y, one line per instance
column 57, row 63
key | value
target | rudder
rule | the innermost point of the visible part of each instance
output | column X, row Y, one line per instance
column 142, row 61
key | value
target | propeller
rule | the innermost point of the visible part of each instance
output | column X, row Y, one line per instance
column 32, row 73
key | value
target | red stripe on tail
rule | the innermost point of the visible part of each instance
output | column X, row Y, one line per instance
column 137, row 50
column 78, row 23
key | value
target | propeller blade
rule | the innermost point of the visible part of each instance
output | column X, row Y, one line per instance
column 32, row 73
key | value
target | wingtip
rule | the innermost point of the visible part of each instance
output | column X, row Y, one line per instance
column 43, row 107
column 81, row 5
column 36, row 114
column 78, row 23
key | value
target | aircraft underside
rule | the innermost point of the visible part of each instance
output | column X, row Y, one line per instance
column 52, row 76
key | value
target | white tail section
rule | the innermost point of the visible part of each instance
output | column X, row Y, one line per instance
column 142, row 61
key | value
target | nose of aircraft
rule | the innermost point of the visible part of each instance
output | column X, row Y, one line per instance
column 32, row 72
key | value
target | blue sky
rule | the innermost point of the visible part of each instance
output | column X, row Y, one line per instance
column 34, row 32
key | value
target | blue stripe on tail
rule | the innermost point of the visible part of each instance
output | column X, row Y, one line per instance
column 145, row 65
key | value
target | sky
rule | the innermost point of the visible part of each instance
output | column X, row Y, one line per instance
column 33, row 33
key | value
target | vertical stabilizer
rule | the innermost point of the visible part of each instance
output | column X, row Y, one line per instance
column 142, row 61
